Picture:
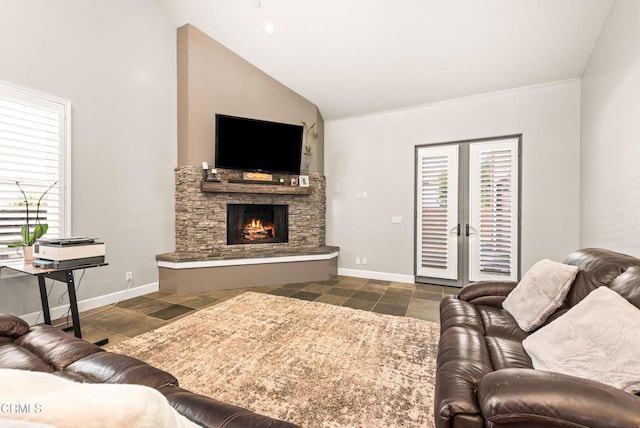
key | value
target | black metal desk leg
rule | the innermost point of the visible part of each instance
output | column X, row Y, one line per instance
column 44, row 299
column 73, row 303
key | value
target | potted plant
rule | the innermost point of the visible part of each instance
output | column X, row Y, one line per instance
column 310, row 132
column 30, row 236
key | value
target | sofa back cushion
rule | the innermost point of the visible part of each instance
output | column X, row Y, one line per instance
column 11, row 326
column 628, row 285
column 598, row 267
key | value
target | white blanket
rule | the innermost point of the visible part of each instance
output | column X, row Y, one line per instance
column 597, row 339
column 48, row 399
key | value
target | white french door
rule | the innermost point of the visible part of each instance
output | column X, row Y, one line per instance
column 467, row 217
column 437, row 199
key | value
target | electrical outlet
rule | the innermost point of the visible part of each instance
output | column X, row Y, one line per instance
column 128, row 277
column 357, row 260
column 364, row 260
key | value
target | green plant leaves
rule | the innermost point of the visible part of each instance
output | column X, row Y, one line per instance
column 30, row 239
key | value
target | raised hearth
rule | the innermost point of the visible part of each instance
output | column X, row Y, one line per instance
column 184, row 272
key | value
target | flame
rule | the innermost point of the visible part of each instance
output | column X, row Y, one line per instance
column 257, row 230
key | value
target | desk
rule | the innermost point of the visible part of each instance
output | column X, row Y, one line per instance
column 62, row 275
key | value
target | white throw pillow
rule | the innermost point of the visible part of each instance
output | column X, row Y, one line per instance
column 541, row 291
column 597, row 339
column 48, row 399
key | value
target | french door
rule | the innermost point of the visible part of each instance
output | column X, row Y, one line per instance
column 467, row 211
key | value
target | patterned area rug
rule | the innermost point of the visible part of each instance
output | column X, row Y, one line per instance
column 313, row 364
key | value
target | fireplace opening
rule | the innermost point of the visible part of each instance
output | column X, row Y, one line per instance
column 257, row 224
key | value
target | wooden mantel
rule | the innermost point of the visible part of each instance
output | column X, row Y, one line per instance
column 220, row 187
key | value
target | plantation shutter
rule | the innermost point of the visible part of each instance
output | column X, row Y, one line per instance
column 437, row 206
column 493, row 216
column 32, row 142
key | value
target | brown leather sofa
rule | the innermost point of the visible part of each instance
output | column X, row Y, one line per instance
column 485, row 378
column 48, row 349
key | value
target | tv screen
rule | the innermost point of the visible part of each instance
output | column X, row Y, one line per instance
column 257, row 145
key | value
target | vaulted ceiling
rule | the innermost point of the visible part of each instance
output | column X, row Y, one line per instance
column 354, row 57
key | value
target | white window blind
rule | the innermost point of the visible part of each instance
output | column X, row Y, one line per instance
column 494, row 207
column 32, row 153
column 437, row 197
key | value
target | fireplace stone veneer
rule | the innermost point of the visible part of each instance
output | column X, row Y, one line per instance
column 203, row 261
column 201, row 217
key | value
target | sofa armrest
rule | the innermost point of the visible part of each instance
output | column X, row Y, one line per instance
column 515, row 396
column 489, row 293
column 211, row 413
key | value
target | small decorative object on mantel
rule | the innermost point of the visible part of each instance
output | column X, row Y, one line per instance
column 294, row 181
column 209, row 174
column 213, row 175
column 257, row 176
column 304, row 181
column 205, row 171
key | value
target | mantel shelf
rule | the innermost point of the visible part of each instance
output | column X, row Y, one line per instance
column 216, row 187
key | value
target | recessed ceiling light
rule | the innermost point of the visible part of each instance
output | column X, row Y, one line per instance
column 269, row 28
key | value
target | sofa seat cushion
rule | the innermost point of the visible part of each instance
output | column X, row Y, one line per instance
column 13, row 356
column 459, row 313
column 507, row 354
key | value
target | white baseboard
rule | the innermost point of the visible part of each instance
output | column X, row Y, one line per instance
column 94, row 302
column 384, row 276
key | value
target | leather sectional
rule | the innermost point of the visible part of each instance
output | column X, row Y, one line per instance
column 47, row 349
column 486, row 379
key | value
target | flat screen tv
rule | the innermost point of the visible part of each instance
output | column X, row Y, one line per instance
column 257, row 145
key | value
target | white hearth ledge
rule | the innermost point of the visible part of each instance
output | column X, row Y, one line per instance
column 250, row 261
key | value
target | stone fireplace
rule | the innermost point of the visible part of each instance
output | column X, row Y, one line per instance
column 257, row 223
column 205, row 259
column 202, row 217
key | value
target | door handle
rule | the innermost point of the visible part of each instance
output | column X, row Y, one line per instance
column 455, row 229
column 470, row 230
column 467, row 230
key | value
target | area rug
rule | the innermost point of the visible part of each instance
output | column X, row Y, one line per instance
column 313, row 364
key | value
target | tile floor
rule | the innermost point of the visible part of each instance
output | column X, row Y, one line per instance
column 138, row 315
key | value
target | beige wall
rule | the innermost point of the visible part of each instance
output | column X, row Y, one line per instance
column 610, row 129
column 212, row 79
column 375, row 154
column 115, row 62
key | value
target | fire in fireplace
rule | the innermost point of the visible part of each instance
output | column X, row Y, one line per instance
column 257, row 224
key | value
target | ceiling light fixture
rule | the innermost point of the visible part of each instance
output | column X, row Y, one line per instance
column 269, row 28
column 257, row 3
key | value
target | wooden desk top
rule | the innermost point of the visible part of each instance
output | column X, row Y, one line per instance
column 26, row 267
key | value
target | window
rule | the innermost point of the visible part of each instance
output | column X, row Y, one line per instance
column 34, row 157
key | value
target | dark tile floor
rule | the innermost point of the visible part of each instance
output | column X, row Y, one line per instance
column 138, row 315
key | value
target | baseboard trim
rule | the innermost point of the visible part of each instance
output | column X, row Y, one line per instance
column 384, row 276
column 94, row 302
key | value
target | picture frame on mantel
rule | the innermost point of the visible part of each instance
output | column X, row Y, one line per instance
column 303, row 181
column 294, row 181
